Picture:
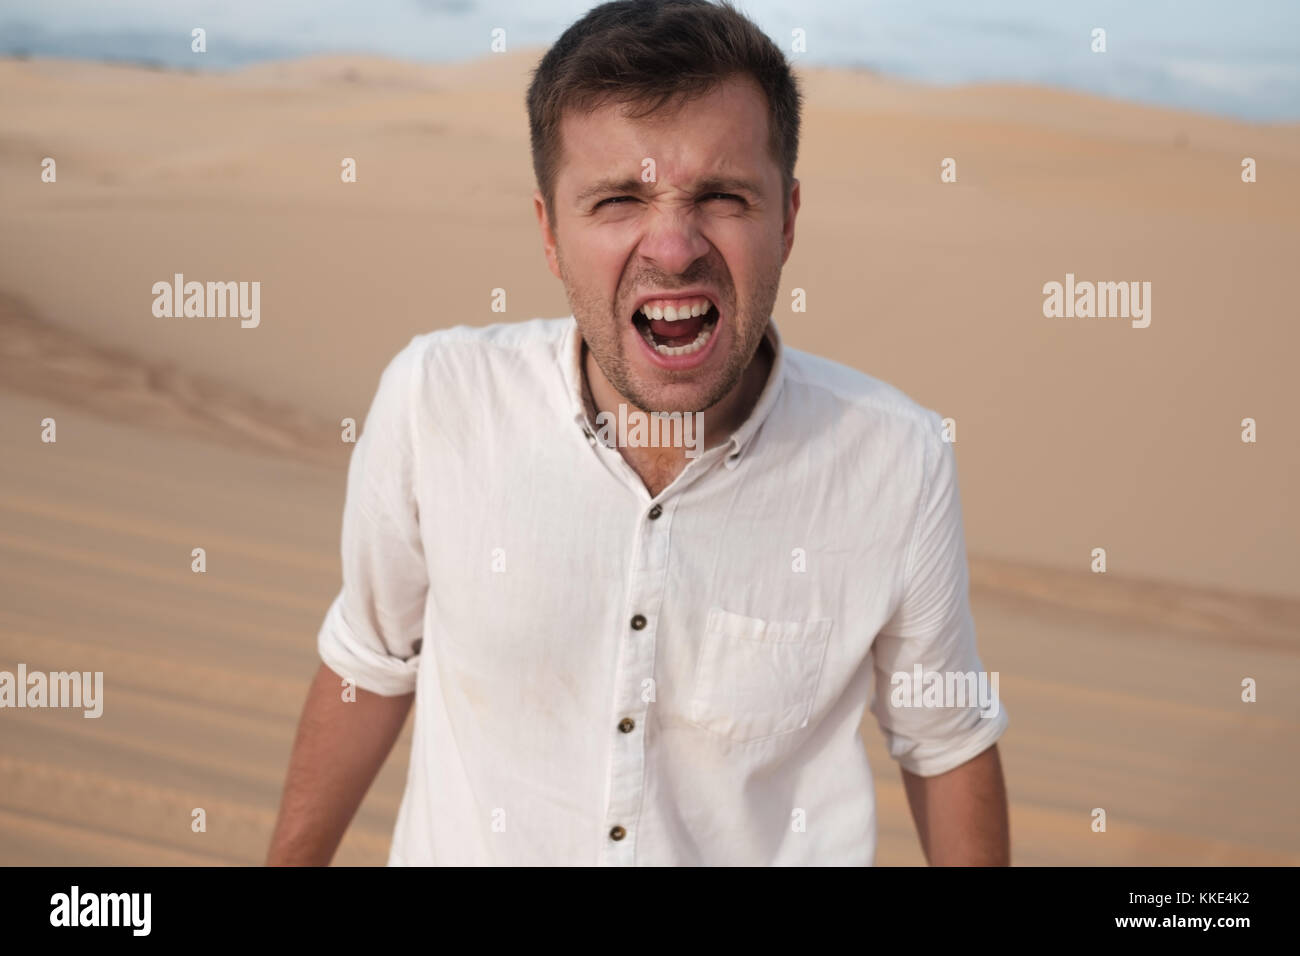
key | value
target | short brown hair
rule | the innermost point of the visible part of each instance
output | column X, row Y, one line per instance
column 654, row 52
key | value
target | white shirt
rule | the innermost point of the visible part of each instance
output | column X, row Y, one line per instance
column 495, row 556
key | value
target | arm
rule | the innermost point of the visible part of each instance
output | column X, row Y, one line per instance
column 961, row 815
column 338, row 751
column 372, row 633
column 946, row 748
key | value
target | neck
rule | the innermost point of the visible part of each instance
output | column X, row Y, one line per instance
column 658, row 466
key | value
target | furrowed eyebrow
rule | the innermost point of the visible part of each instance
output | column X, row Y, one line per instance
column 612, row 187
column 728, row 184
column 634, row 185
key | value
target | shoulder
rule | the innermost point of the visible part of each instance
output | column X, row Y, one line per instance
column 881, row 412
column 477, row 373
column 464, row 350
column 532, row 335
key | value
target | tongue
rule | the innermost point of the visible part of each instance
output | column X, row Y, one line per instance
column 684, row 330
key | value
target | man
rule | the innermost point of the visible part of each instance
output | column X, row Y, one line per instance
column 633, row 652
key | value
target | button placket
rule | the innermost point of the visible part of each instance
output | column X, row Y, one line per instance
column 649, row 567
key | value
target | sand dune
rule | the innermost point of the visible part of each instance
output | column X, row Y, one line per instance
column 1124, row 688
column 41, row 359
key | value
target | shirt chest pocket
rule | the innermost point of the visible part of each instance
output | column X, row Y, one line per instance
column 756, row 678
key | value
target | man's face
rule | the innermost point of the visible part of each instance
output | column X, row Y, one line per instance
column 710, row 228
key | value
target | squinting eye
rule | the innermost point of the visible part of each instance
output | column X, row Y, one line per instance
column 619, row 199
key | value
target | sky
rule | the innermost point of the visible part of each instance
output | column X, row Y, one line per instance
column 1231, row 57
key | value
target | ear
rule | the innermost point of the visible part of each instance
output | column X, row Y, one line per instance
column 548, row 233
column 792, row 210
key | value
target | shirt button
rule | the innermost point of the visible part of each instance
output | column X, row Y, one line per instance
column 638, row 622
column 656, row 511
column 626, row 725
column 617, row 833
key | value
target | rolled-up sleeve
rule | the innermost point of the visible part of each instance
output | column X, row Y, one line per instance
column 373, row 631
column 933, row 630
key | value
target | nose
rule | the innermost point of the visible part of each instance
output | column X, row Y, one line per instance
column 672, row 239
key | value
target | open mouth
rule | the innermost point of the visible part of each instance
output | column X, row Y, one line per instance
column 677, row 331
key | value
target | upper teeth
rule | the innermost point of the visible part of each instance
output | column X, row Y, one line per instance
column 675, row 310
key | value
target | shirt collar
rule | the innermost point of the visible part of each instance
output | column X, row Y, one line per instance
column 571, row 368
column 767, row 399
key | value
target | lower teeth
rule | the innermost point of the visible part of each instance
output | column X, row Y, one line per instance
column 701, row 340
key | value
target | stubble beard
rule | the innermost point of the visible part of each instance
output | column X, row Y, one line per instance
column 605, row 337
